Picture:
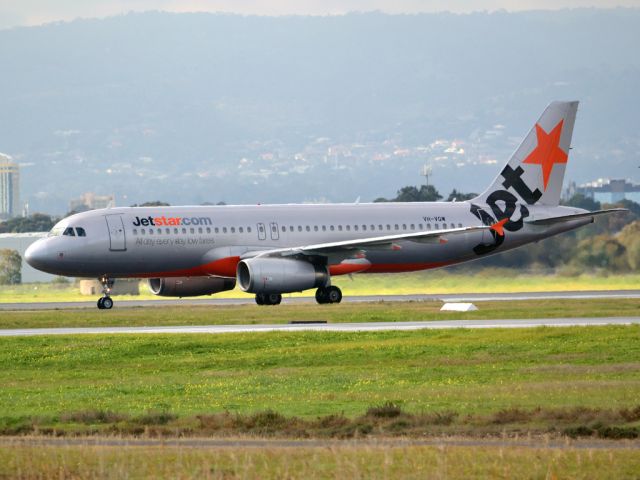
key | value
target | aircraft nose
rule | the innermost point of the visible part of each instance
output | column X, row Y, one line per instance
column 36, row 254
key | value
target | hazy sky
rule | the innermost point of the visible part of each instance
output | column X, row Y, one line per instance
column 35, row 12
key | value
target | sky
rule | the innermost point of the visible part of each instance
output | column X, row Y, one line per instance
column 36, row 12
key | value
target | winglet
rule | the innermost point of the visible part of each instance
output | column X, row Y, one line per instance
column 499, row 227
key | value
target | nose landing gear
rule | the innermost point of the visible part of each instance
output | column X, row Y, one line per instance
column 105, row 303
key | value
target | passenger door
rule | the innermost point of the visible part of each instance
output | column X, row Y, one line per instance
column 117, row 240
column 262, row 232
column 274, row 231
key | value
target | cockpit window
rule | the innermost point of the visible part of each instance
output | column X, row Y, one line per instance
column 69, row 232
column 80, row 231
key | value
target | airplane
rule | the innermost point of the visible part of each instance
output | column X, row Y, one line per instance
column 269, row 250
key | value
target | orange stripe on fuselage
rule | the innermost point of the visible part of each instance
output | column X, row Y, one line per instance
column 226, row 267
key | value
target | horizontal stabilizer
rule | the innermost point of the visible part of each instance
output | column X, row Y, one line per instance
column 575, row 216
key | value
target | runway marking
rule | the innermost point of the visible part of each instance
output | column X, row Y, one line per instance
column 329, row 327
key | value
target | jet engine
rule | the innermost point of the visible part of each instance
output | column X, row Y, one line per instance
column 190, row 286
column 280, row 275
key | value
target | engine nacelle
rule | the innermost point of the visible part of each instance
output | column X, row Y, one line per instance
column 280, row 275
column 190, row 286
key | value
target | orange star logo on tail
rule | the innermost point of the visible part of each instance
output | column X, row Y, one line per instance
column 548, row 151
column 499, row 226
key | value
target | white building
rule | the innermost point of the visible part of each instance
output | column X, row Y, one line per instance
column 9, row 188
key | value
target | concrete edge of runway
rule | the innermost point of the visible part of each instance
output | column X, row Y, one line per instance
column 329, row 327
column 249, row 300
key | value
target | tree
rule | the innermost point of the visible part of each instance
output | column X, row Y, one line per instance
column 38, row 222
column 426, row 193
column 155, row 203
column 459, row 196
column 10, row 266
column 581, row 201
column 602, row 251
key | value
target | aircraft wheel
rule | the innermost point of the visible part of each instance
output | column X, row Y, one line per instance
column 321, row 296
column 100, row 304
column 107, row 303
column 272, row 299
column 334, row 295
column 260, row 298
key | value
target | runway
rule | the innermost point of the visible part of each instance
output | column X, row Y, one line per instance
column 329, row 327
column 248, row 300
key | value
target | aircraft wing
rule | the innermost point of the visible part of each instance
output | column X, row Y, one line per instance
column 382, row 242
column 575, row 216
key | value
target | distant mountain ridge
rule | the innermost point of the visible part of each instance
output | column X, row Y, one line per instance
column 200, row 107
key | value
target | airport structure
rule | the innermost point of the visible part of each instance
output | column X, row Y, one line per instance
column 9, row 188
column 606, row 190
column 91, row 201
column 20, row 242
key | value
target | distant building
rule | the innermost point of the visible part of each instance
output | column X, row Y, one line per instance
column 605, row 190
column 91, row 201
column 9, row 188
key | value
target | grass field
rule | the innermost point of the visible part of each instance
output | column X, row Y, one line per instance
column 346, row 312
column 438, row 282
column 457, row 381
column 377, row 462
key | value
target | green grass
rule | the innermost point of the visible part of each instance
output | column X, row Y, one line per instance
column 488, row 280
column 339, row 461
column 307, row 374
column 345, row 312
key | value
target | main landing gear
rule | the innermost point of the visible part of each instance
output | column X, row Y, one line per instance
column 105, row 303
column 328, row 295
column 268, row 298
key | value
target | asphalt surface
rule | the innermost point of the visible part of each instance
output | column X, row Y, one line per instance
column 329, row 327
column 249, row 300
column 590, row 444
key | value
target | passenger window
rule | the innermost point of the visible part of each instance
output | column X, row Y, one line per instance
column 339, row 228
column 69, row 232
column 428, row 226
column 364, row 227
column 81, row 233
column 332, row 228
column 151, row 231
column 388, row 227
column 142, row 231
column 444, row 226
column 308, row 228
column 324, row 228
column 184, row 231
column 192, row 230
column 240, row 230
column 380, row 227
column 224, row 229
column 135, row 232
column 216, row 230
column 175, row 231
column 291, row 228
column 284, row 229
column 299, row 228
column 208, row 229
column 167, row 230
column 413, row 227
column 355, row 227
column 233, row 229
column 459, row 225
column 435, row 226
column 396, row 227
column 404, row 226
column 315, row 228
column 420, row 226
column 199, row 229
column 348, row 228
column 248, row 229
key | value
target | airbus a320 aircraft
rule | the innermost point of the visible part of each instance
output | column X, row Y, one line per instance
column 274, row 249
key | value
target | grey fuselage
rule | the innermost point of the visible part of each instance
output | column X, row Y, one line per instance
column 210, row 240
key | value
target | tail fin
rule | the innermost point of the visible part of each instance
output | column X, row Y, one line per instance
column 536, row 169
